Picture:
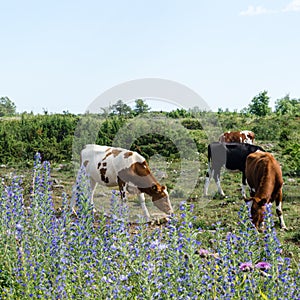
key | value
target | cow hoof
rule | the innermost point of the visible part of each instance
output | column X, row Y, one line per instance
column 285, row 229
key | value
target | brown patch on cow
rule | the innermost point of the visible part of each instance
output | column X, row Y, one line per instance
column 104, row 164
column 99, row 165
column 108, row 154
column 116, row 152
column 141, row 169
column 85, row 163
column 127, row 154
column 102, row 173
column 108, row 149
column 139, row 174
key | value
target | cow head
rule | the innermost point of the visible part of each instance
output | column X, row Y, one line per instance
column 257, row 209
column 160, row 198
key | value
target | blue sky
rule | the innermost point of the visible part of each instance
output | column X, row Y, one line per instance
column 61, row 55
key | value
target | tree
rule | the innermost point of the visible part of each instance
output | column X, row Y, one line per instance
column 7, row 107
column 121, row 109
column 141, row 106
column 260, row 105
column 286, row 105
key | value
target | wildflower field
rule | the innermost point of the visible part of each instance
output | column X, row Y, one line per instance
column 51, row 254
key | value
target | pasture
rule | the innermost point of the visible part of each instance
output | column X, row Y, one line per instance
column 208, row 250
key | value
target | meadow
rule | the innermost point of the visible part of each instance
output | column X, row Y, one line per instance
column 51, row 252
column 207, row 250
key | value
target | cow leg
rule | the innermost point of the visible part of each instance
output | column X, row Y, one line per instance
column 218, row 182
column 279, row 209
column 141, row 198
column 122, row 189
column 216, row 176
column 207, row 181
column 93, row 188
column 244, row 185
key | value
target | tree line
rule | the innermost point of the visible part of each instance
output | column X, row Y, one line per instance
column 259, row 106
column 54, row 135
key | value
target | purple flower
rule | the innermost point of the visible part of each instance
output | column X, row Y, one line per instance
column 202, row 252
column 246, row 266
column 263, row 265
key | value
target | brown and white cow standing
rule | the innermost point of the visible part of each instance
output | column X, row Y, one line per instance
column 127, row 169
column 245, row 136
column 264, row 177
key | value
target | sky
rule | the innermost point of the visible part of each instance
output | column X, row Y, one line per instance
column 60, row 56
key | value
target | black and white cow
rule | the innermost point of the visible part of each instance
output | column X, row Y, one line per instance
column 110, row 166
column 230, row 155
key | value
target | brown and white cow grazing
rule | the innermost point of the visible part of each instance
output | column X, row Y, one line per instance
column 264, row 177
column 127, row 169
column 245, row 136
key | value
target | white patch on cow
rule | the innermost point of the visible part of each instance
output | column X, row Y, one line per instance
column 206, row 185
column 282, row 224
column 241, row 140
column 141, row 198
column 220, row 188
column 207, row 181
column 279, row 207
column 281, row 220
column 246, row 132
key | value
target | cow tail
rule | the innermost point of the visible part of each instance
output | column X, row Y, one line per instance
column 209, row 157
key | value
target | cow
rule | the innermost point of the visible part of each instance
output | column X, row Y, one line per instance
column 264, row 177
column 245, row 136
column 233, row 157
column 110, row 166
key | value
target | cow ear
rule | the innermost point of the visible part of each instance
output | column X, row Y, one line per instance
column 262, row 202
column 154, row 187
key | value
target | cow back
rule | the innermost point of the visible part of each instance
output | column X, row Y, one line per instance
column 245, row 136
column 263, row 171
